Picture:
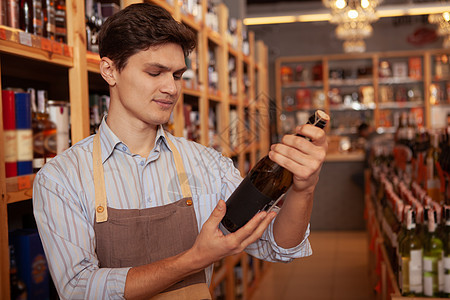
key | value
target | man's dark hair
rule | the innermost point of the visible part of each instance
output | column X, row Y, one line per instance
column 139, row 27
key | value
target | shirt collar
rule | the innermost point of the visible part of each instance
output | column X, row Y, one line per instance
column 109, row 140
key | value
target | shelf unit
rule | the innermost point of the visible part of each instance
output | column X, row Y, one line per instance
column 75, row 67
column 369, row 87
column 382, row 275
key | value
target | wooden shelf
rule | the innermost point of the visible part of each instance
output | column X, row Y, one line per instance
column 192, row 92
column 19, row 188
column 189, row 20
column 164, row 5
column 215, row 97
column 378, row 115
column 34, row 47
column 214, row 36
column 389, row 289
column 93, row 62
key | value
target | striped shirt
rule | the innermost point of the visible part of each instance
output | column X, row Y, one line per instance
column 64, row 205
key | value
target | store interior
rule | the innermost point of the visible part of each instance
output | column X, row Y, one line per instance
column 260, row 68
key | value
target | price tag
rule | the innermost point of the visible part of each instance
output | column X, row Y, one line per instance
column 2, row 33
column 57, row 48
column 46, row 44
column 23, row 182
column 67, row 50
column 25, row 39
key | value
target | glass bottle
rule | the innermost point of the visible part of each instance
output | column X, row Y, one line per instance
column 411, row 253
column 432, row 259
column 262, row 187
column 17, row 286
column 44, row 132
column 434, row 182
column 446, row 239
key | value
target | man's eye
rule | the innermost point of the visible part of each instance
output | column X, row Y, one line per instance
column 177, row 77
column 154, row 74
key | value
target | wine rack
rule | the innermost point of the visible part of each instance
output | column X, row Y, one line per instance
column 369, row 87
column 81, row 70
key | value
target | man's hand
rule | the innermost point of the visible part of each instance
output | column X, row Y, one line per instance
column 302, row 157
column 212, row 245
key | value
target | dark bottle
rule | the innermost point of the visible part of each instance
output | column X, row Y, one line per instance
column 49, row 26
column 262, row 187
column 18, row 288
column 60, row 21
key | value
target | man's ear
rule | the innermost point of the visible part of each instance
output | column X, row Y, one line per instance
column 107, row 70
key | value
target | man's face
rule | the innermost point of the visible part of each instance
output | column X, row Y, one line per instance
column 150, row 84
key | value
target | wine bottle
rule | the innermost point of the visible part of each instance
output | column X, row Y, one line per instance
column 447, row 252
column 411, row 252
column 432, row 259
column 262, row 187
column 17, row 286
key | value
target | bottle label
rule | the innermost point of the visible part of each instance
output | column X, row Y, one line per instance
column 440, row 265
column 24, row 145
column 447, row 274
column 10, row 138
column 38, row 163
column 428, row 262
column 415, row 271
column 38, row 143
column 428, row 284
column 241, row 210
column 50, row 144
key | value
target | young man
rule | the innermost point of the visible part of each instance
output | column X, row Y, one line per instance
column 133, row 212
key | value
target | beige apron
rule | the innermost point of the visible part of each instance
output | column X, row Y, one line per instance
column 134, row 237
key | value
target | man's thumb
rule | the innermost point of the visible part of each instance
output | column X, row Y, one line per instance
column 219, row 212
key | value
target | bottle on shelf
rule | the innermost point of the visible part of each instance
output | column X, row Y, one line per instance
column 44, row 133
column 262, row 187
column 446, row 240
column 435, row 177
column 31, row 17
column 433, row 269
column 18, row 288
column 49, row 25
column 411, row 253
column 60, row 21
column 213, row 76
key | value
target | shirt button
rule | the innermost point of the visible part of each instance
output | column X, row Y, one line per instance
column 100, row 209
column 124, row 148
column 142, row 163
column 189, row 202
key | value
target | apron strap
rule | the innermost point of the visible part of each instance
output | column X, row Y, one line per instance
column 101, row 212
column 182, row 176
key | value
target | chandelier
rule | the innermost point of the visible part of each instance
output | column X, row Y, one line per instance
column 443, row 21
column 353, row 19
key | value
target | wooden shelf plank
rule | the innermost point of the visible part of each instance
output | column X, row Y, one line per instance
column 164, row 5
column 190, row 21
column 93, row 62
column 214, row 97
column 19, row 188
column 192, row 92
column 56, row 53
column 218, row 277
column 214, row 36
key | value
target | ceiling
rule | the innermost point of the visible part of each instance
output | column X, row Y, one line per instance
column 316, row 11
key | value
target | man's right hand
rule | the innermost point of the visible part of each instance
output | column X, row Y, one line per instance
column 212, row 245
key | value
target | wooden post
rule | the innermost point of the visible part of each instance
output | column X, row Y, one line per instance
column 4, row 244
column 78, row 76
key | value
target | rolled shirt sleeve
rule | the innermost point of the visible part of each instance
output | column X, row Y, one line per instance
column 69, row 243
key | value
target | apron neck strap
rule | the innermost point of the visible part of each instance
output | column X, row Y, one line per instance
column 101, row 212
column 182, row 176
